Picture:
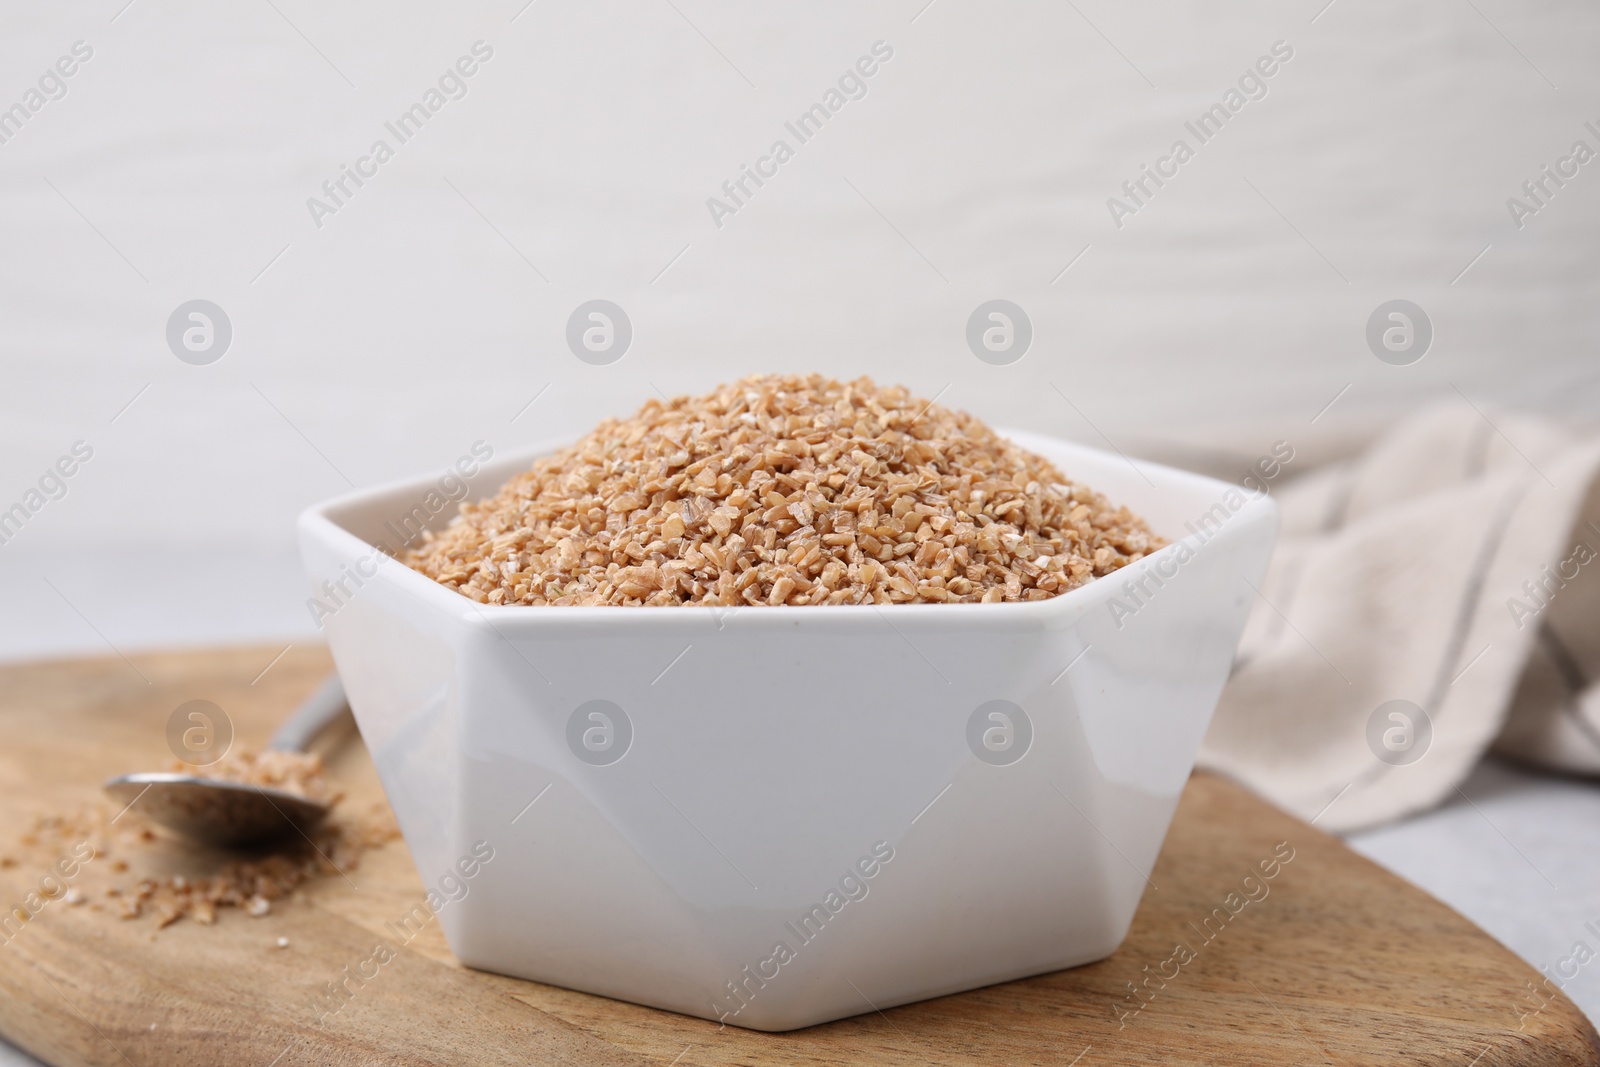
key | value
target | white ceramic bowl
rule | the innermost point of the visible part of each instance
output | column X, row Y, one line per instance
column 783, row 816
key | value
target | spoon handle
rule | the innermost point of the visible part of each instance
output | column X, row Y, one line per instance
column 320, row 710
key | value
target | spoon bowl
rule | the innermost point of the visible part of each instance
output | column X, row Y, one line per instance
column 214, row 811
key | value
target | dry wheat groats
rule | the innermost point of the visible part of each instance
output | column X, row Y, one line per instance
column 299, row 773
column 784, row 490
column 126, row 865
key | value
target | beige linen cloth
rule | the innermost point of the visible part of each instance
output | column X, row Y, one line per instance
column 1453, row 563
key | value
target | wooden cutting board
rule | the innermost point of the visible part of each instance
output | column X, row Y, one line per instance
column 1340, row 962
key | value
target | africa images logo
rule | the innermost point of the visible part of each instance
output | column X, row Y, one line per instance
column 1252, row 85
column 451, row 85
column 851, row 886
column 851, row 85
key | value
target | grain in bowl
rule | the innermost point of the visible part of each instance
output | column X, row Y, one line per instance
column 785, row 490
column 704, row 774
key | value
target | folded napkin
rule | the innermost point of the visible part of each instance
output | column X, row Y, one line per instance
column 1434, row 596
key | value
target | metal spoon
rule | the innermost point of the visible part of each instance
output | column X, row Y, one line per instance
column 215, row 812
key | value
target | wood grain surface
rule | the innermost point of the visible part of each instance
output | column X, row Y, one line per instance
column 1339, row 962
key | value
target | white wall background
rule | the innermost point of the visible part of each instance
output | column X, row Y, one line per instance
column 416, row 320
